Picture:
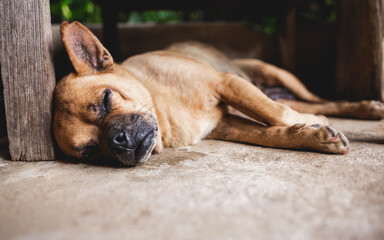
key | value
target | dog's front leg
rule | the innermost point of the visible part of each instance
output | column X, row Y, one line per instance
column 299, row 136
column 250, row 100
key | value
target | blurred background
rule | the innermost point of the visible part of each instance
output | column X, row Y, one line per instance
column 255, row 32
column 86, row 11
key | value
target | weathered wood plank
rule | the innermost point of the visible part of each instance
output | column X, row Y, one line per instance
column 28, row 77
column 381, row 4
column 359, row 49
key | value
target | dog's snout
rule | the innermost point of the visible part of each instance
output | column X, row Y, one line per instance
column 131, row 138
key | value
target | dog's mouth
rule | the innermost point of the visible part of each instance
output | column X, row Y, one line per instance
column 131, row 138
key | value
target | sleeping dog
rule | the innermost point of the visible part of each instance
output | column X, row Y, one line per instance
column 183, row 94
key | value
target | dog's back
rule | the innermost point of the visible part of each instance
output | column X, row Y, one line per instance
column 208, row 55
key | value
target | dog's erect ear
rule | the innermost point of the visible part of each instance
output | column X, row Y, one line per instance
column 87, row 54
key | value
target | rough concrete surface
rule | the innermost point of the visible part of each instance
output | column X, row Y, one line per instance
column 215, row 190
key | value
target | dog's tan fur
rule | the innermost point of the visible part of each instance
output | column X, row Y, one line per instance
column 187, row 90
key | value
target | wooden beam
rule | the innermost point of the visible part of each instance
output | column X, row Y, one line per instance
column 28, row 77
column 109, row 14
column 287, row 40
column 381, row 4
column 359, row 73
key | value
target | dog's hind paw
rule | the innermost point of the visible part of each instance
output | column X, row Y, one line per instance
column 370, row 109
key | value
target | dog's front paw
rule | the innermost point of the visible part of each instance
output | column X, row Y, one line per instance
column 322, row 138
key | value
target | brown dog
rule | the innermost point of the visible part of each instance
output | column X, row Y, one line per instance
column 179, row 96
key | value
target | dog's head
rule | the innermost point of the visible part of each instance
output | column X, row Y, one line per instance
column 101, row 108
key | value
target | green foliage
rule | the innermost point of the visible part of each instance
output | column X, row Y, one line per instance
column 331, row 5
column 79, row 10
column 152, row 16
column 267, row 24
column 323, row 11
column 88, row 12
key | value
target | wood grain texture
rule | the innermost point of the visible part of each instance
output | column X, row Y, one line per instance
column 28, row 77
column 359, row 49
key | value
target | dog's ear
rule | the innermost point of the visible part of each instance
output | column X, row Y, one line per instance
column 85, row 51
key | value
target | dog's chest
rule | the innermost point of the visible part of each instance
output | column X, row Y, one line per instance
column 206, row 127
column 184, row 125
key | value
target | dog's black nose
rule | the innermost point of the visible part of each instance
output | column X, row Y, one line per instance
column 129, row 140
column 121, row 141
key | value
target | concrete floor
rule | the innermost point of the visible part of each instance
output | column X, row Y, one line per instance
column 215, row 190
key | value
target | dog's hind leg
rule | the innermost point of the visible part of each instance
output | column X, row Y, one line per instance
column 372, row 110
column 269, row 75
column 298, row 136
column 247, row 98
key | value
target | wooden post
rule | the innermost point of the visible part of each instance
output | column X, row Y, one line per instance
column 288, row 41
column 359, row 73
column 110, row 32
column 381, row 4
column 28, row 77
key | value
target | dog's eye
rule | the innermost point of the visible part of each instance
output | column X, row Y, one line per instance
column 106, row 102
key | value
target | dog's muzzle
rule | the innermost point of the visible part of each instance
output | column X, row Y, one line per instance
column 130, row 138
